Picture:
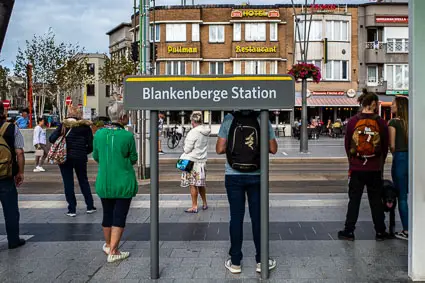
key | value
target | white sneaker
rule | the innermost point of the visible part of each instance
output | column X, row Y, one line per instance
column 115, row 258
column 272, row 265
column 41, row 169
column 71, row 214
column 36, row 170
column 105, row 249
column 234, row 269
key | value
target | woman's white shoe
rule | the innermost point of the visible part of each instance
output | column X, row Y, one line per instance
column 106, row 250
column 115, row 258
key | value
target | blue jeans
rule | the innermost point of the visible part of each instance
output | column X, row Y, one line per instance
column 67, row 171
column 238, row 187
column 9, row 201
column 400, row 175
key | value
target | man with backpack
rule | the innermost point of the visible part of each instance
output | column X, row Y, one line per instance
column 239, row 138
column 11, row 176
column 366, row 145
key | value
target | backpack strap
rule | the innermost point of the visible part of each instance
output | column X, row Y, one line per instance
column 4, row 128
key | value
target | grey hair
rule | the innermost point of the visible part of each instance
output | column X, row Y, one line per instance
column 116, row 111
column 196, row 117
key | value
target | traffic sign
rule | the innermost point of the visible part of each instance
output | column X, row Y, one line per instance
column 68, row 100
column 6, row 104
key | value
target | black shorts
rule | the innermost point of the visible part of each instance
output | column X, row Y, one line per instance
column 115, row 212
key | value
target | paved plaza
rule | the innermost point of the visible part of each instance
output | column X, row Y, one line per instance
column 193, row 247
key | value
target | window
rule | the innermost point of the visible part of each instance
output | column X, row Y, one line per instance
column 195, row 32
column 237, row 67
column 157, row 68
column 255, row 67
column 155, row 32
column 175, row 68
column 255, row 32
column 176, row 32
column 397, row 45
column 237, row 32
column 273, row 32
column 216, row 33
column 91, row 67
column 108, row 91
column 195, row 68
column 273, row 67
column 337, row 70
column 216, row 68
column 337, row 30
column 372, row 75
column 315, row 30
column 90, row 90
column 397, row 76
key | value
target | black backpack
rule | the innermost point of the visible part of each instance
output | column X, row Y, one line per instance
column 243, row 142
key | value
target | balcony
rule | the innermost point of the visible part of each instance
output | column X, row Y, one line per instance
column 386, row 53
column 379, row 87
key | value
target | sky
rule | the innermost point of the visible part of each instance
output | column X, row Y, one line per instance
column 86, row 21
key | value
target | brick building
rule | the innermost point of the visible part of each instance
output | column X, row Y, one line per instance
column 229, row 39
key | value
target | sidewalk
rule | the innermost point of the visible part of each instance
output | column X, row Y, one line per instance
column 193, row 247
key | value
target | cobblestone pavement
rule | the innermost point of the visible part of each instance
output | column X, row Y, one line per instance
column 193, row 247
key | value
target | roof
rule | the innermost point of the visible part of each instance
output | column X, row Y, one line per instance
column 326, row 101
column 120, row 26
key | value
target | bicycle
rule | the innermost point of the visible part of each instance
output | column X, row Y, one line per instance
column 175, row 135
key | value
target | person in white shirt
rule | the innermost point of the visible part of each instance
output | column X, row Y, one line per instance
column 40, row 143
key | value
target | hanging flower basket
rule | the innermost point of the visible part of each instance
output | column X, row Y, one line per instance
column 305, row 71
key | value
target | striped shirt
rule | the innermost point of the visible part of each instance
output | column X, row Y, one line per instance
column 19, row 139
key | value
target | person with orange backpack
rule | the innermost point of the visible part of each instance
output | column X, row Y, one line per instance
column 366, row 145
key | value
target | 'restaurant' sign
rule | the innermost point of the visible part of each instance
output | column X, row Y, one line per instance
column 255, row 13
column 226, row 92
column 255, row 49
column 332, row 93
column 392, row 19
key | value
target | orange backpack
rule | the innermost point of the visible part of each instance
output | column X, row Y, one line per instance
column 366, row 140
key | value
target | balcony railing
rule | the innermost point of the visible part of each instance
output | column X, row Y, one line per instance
column 374, row 45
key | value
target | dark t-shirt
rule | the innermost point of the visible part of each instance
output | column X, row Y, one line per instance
column 401, row 144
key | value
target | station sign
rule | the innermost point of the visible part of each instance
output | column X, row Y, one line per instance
column 226, row 92
column 255, row 49
column 181, row 50
column 255, row 13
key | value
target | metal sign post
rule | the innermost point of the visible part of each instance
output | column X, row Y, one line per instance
column 209, row 93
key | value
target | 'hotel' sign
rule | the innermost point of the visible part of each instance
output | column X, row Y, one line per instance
column 181, row 50
column 255, row 13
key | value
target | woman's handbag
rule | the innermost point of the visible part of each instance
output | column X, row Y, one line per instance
column 185, row 165
column 39, row 153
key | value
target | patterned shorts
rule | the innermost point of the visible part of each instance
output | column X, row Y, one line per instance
column 197, row 177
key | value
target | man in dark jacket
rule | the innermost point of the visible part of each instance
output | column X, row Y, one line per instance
column 8, row 184
column 366, row 170
column 79, row 143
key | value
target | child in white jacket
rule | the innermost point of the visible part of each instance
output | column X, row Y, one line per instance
column 40, row 143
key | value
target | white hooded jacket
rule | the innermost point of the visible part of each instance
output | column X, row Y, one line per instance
column 196, row 144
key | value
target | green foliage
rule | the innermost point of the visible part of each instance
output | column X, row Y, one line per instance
column 4, row 87
column 114, row 70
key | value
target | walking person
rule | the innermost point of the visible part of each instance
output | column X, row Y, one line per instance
column 238, row 138
column 11, row 177
column 40, row 144
column 399, row 147
column 366, row 145
column 160, row 131
column 79, row 143
column 195, row 149
column 116, row 183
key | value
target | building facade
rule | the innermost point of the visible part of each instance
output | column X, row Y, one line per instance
column 384, row 57
column 120, row 38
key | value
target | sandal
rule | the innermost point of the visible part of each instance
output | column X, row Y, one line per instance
column 105, row 249
column 115, row 258
column 191, row 210
column 205, row 207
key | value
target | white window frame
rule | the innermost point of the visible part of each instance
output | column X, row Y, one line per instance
column 237, row 31
column 157, row 28
column 195, row 68
column 274, row 68
column 405, row 79
column 218, row 38
column 216, row 68
column 312, row 30
column 175, row 32
column 332, row 78
column 257, row 67
column 330, row 34
column 196, row 36
column 392, row 42
column 372, row 83
column 274, row 32
column 179, row 68
column 252, row 32
column 237, row 67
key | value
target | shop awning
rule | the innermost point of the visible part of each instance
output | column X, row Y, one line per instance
column 318, row 101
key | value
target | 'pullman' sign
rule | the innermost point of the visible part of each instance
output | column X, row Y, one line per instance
column 209, row 92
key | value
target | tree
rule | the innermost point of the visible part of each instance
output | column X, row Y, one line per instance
column 48, row 58
column 114, row 71
column 4, row 86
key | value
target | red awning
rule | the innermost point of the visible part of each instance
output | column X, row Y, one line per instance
column 320, row 101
